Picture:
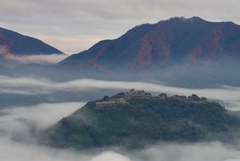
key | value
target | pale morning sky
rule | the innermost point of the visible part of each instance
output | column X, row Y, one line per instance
column 75, row 25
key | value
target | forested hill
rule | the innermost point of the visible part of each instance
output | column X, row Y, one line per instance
column 136, row 118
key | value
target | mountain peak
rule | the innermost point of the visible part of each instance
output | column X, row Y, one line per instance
column 186, row 19
column 19, row 44
column 171, row 42
column 16, row 48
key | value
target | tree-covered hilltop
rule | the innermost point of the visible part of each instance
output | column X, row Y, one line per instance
column 137, row 118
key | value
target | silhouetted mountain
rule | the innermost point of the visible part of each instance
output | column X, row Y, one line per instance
column 164, row 44
column 136, row 118
column 17, row 44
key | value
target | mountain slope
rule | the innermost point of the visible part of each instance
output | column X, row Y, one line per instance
column 17, row 44
column 135, row 119
column 166, row 43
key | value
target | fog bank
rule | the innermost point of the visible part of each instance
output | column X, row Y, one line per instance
column 89, row 89
column 18, row 122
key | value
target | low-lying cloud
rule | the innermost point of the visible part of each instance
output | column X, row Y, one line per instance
column 17, row 123
column 14, row 151
column 16, row 143
column 227, row 94
column 36, row 59
column 214, row 151
column 47, row 114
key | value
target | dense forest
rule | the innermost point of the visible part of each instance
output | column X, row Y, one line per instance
column 136, row 119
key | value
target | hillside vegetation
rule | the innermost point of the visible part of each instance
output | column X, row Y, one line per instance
column 136, row 119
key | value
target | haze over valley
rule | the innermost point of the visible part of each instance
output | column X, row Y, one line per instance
column 97, row 81
column 22, row 119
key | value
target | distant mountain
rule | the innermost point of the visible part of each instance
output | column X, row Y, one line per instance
column 18, row 44
column 178, row 52
column 164, row 44
column 136, row 119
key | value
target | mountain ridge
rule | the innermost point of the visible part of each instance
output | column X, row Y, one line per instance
column 19, row 44
column 166, row 43
column 178, row 52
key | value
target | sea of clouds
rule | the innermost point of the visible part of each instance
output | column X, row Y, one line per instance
column 16, row 123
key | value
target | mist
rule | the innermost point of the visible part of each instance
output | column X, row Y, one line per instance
column 38, row 59
column 26, row 149
column 17, row 143
column 54, row 100
column 214, row 151
column 46, row 91
column 11, row 60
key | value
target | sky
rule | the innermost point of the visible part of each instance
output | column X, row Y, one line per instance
column 73, row 26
